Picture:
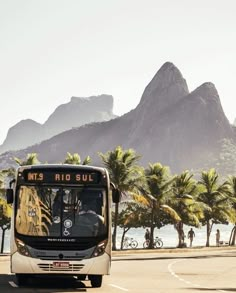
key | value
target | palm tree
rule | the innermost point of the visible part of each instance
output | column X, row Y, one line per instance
column 5, row 210
column 183, row 201
column 215, row 196
column 31, row 159
column 76, row 160
column 158, row 190
column 1, row 179
column 124, row 171
column 232, row 193
column 132, row 216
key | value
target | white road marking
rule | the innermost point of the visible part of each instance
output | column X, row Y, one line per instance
column 13, row 284
column 118, row 287
column 171, row 271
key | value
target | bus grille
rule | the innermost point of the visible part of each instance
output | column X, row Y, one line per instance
column 51, row 268
column 56, row 257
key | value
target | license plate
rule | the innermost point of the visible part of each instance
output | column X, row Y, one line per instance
column 60, row 264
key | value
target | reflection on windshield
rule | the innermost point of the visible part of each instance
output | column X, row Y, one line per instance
column 60, row 212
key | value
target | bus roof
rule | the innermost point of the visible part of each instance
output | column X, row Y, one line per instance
column 62, row 167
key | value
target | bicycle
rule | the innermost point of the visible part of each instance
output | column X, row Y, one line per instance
column 129, row 242
column 157, row 243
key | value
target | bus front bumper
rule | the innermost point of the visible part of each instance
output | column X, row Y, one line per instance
column 93, row 266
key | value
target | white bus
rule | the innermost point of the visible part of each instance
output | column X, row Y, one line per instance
column 61, row 222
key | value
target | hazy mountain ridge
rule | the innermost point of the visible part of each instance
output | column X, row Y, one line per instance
column 169, row 125
column 77, row 112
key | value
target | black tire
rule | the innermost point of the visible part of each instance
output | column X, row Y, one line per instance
column 158, row 243
column 145, row 244
column 96, row 280
column 134, row 244
column 21, row 279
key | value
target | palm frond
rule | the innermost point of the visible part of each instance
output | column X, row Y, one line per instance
column 171, row 212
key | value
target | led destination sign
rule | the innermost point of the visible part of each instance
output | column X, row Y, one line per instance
column 61, row 177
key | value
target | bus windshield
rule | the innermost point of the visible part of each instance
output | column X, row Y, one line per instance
column 61, row 211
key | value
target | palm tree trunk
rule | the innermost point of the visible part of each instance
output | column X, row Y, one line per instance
column 115, row 226
column 150, row 246
column 232, row 236
column 3, row 238
column 180, row 231
column 125, row 230
column 209, row 229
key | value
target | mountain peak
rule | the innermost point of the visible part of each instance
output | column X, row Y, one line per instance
column 166, row 87
column 77, row 112
column 207, row 86
column 207, row 91
column 168, row 66
column 166, row 76
column 206, row 103
column 95, row 99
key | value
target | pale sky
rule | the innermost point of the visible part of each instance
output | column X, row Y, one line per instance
column 52, row 50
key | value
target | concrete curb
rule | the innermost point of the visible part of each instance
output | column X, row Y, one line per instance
column 171, row 250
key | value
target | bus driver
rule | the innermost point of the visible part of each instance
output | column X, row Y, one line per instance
column 90, row 221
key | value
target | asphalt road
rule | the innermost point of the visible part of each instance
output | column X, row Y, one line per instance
column 203, row 270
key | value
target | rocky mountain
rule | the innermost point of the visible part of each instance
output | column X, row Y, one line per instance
column 170, row 125
column 77, row 112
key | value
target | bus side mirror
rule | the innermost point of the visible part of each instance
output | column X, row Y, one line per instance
column 9, row 195
column 115, row 195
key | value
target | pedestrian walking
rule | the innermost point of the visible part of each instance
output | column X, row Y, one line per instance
column 147, row 235
column 191, row 235
column 217, row 237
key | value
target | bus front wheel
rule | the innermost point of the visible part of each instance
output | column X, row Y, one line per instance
column 21, row 279
column 96, row 280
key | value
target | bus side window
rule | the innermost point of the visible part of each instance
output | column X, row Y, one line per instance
column 9, row 194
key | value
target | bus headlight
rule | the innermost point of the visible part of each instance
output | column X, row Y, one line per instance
column 100, row 249
column 22, row 248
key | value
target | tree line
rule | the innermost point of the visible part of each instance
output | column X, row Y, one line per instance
column 153, row 197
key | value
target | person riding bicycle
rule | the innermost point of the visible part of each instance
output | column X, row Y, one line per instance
column 156, row 243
